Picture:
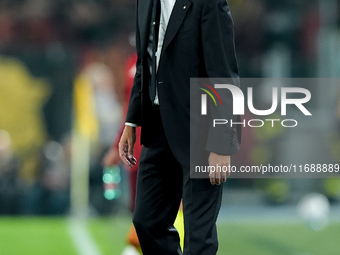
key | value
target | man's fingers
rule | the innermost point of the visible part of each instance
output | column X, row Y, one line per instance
column 228, row 173
column 130, row 157
column 224, row 176
column 132, row 160
column 123, row 151
column 221, row 165
column 130, row 149
column 212, row 178
column 126, row 145
column 127, row 161
column 218, row 178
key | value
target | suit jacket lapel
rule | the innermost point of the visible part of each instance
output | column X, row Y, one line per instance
column 144, row 23
column 176, row 19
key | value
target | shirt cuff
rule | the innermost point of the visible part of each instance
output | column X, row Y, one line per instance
column 131, row 124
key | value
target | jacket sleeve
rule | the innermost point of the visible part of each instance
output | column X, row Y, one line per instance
column 217, row 34
column 134, row 109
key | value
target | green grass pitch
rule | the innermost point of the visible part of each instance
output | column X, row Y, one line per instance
column 49, row 236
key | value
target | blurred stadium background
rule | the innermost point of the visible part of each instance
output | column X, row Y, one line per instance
column 62, row 96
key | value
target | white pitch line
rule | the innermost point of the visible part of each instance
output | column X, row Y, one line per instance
column 81, row 238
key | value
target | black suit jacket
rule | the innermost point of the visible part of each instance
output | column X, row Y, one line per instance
column 199, row 42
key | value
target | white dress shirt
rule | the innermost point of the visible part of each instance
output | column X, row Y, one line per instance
column 166, row 10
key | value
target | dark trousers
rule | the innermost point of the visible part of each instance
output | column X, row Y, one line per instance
column 161, row 183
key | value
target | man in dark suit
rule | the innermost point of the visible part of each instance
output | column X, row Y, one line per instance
column 177, row 40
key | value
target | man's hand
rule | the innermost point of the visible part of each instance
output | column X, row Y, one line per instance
column 216, row 178
column 126, row 144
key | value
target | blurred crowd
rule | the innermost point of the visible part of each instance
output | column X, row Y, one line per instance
column 53, row 51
